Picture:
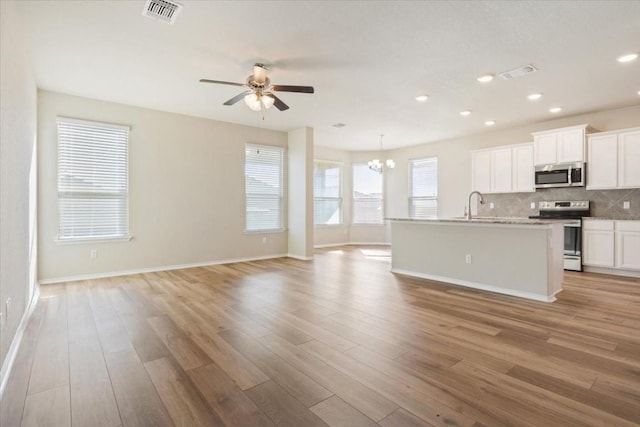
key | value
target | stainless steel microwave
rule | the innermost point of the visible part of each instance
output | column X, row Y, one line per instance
column 560, row 175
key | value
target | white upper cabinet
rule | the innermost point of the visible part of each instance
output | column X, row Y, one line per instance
column 564, row 145
column 602, row 164
column 522, row 157
column 629, row 158
column 501, row 168
column 613, row 159
column 505, row 169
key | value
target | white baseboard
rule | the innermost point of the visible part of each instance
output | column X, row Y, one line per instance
column 613, row 271
column 370, row 243
column 481, row 286
column 330, row 245
column 15, row 343
column 153, row 269
column 301, row 258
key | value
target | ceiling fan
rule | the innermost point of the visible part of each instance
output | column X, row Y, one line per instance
column 259, row 93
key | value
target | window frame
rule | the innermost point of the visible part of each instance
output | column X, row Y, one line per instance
column 413, row 198
column 339, row 198
column 125, row 194
column 280, row 197
column 354, row 198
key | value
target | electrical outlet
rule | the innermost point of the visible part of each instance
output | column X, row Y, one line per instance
column 93, row 253
column 467, row 258
column 626, row 205
column 264, row 239
column 491, row 205
column 533, row 205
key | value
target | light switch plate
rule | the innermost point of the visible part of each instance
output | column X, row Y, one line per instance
column 533, row 205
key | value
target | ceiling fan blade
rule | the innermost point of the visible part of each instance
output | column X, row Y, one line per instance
column 278, row 102
column 299, row 89
column 236, row 98
column 221, row 82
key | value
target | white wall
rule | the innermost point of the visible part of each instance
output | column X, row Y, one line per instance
column 17, row 178
column 186, row 191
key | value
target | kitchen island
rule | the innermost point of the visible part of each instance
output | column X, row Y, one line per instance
column 513, row 256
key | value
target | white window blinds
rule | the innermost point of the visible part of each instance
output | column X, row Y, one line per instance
column 367, row 195
column 93, row 184
column 423, row 194
column 263, row 187
column 327, row 201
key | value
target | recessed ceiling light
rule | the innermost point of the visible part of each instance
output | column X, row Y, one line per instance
column 422, row 98
column 555, row 110
column 628, row 57
column 490, row 122
column 465, row 112
column 486, row 78
column 534, row 96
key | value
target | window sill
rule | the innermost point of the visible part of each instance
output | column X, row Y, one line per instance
column 329, row 225
column 84, row 240
column 367, row 224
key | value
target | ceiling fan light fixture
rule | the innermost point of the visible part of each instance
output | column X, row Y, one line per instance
column 267, row 101
column 253, row 102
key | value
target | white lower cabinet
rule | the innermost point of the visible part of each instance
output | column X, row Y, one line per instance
column 628, row 245
column 598, row 243
column 611, row 244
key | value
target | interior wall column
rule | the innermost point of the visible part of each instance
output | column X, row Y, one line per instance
column 300, row 212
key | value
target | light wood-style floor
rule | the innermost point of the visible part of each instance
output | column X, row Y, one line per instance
column 339, row 341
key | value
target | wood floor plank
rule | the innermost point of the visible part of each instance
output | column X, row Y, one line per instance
column 143, row 337
column 181, row 398
column 93, row 403
column 338, row 413
column 51, row 361
column 402, row 418
column 366, row 400
column 48, row 408
column 281, row 407
column 238, row 367
column 296, row 383
column 226, row 398
column 401, row 393
column 137, row 398
column 185, row 351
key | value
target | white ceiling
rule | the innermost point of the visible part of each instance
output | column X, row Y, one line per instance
column 366, row 60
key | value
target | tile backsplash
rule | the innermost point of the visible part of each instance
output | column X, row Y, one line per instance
column 604, row 203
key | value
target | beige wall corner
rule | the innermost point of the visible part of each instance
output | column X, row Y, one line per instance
column 300, row 175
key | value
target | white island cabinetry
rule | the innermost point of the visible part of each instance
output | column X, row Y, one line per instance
column 516, row 257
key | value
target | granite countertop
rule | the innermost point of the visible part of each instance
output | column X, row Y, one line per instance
column 482, row 220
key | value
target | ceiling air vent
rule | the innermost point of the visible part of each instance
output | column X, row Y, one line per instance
column 162, row 10
column 518, row 72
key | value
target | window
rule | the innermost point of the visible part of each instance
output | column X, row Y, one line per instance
column 263, row 187
column 327, row 203
column 367, row 195
column 93, row 180
column 423, row 188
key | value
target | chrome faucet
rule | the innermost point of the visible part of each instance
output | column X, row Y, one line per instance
column 481, row 202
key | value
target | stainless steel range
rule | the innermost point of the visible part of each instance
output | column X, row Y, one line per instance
column 571, row 214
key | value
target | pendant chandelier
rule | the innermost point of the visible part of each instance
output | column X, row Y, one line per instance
column 377, row 165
